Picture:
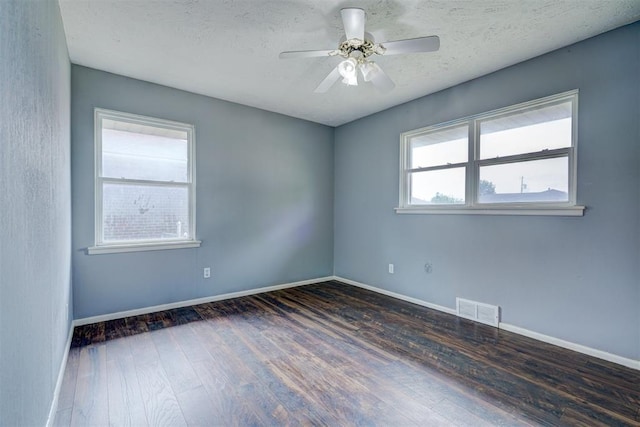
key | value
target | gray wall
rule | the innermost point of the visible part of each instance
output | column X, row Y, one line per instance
column 576, row 279
column 264, row 200
column 35, row 208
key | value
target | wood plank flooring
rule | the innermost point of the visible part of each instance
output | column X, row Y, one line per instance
column 331, row 354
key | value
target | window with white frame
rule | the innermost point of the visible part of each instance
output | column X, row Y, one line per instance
column 516, row 160
column 144, row 183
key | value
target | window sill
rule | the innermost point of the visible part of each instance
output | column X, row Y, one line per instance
column 535, row 211
column 139, row 247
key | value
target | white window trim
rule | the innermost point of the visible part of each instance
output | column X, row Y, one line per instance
column 140, row 245
column 471, row 206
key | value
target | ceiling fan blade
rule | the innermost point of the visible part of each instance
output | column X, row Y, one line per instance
column 380, row 79
column 304, row 54
column 328, row 81
column 353, row 20
column 420, row 44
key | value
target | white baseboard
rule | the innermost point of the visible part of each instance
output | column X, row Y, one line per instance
column 187, row 303
column 396, row 295
column 56, row 391
column 629, row 363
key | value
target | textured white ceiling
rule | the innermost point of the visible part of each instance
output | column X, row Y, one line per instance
column 228, row 49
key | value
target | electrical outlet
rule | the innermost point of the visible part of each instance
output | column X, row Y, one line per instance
column 207, row 272
column 390, row 268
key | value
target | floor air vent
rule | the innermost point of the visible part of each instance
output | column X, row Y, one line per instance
column 480, row 312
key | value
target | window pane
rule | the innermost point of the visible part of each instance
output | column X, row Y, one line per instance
column 139, row 212
column 530, row 131
column 444, row 186
column 545, row 180
column 134, row 151
column 448, row 146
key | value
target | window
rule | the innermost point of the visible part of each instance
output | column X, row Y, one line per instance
column 517, row 160
column 145, row 189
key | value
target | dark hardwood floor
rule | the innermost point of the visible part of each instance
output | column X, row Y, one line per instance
column 331, row 354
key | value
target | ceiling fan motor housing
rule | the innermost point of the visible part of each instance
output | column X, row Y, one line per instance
column 366, row 47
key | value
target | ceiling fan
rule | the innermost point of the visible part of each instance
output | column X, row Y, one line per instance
column 356, row 47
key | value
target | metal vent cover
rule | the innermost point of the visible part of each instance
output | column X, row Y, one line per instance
column 478, row 311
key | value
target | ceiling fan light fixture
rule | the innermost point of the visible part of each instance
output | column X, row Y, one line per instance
column 351, row 80
column 348, row 68
column 367, row 70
